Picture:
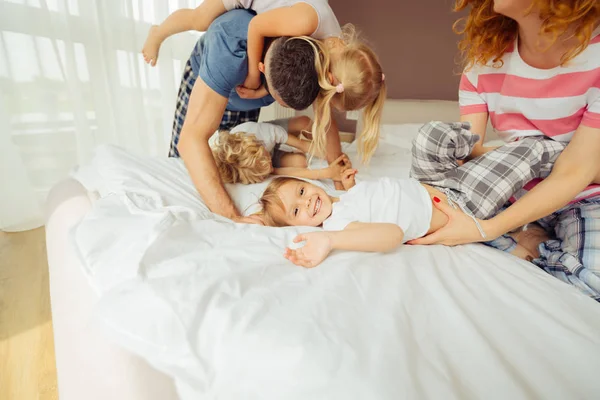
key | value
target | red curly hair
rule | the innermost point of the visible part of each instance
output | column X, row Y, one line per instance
column 487, row 35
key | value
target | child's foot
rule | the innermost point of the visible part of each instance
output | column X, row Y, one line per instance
column 152, row 45
column 528, row 241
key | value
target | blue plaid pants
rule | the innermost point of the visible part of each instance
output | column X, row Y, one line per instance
column 229, row 120
column 573, row 256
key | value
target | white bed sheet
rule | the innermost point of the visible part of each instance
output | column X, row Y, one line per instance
column 89, row 366
column 216, row 306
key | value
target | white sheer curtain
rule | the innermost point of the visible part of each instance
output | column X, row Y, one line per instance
column 72, row 77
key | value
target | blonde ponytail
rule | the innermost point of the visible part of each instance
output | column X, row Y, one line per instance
column 351, row 77
column 369, row 137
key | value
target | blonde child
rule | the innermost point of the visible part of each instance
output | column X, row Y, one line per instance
column 252, row 151
column 380, row 215
column 350, row 75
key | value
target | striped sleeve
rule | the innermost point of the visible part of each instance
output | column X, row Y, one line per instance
column 591, row 116
column 469, row 99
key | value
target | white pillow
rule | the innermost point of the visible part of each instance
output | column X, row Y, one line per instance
column 160, row 182
column 400, row 135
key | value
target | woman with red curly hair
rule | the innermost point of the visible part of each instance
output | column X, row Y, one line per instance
column 533, row 69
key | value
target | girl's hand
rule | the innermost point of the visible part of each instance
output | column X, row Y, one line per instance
column 246, row 93
column 336, row 168
column 316, row 248
column 348, row 178
column 460, row 229
column 252, row 81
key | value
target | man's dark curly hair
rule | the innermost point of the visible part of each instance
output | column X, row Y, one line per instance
column 292, row 71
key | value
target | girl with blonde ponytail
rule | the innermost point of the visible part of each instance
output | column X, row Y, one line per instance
column 351, row 78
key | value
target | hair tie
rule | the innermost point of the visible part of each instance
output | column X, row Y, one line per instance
column 382, row 77
column 339, row 88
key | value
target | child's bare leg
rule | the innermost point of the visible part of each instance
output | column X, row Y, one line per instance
column 296, row 160
column 528, row 241
column 301, row 124
column 198, row 19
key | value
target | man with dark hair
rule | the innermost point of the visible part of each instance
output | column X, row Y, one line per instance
column 292, row 73
column 208, row 101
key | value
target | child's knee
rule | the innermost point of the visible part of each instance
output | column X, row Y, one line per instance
column 295, row 160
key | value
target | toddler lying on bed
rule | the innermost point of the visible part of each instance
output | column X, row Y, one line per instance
column 252, row 151
column 380, row 215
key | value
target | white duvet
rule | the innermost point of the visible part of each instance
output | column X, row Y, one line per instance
column 216, row 306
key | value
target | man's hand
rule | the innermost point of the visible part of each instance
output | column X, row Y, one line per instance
column 246, row 93
column 348, row 178
column 316, row 248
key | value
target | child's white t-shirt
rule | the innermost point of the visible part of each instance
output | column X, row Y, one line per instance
column 269, row 134
column 404, row 202
column 328, row 23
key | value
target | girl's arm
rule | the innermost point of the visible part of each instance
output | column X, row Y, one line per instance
column 575, row 169
column 334, row 147
column 358, row 236
column 298, row 20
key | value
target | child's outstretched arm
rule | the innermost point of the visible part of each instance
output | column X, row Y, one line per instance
column 298, row 20
column 187, row 19
column 358, row 236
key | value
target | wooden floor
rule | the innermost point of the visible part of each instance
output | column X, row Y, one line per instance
column 27, row 362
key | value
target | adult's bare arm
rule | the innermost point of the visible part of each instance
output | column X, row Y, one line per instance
column 205, row 111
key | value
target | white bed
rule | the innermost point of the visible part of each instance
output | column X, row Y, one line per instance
column 470, row 322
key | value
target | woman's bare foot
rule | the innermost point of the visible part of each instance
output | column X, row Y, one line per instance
column 152, row 45
column 528, row 241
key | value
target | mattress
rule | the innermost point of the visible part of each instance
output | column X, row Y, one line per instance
column 89, row 366
column 216, row 307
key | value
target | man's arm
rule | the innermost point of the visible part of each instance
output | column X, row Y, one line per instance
column 205, row 111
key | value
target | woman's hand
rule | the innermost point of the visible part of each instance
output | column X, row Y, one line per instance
column 246, row 93
column 460, row 229
column 348, row 178
column 316, row 248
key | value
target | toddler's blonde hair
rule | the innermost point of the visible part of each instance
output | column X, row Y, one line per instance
column 358, row 71
column 241, row 158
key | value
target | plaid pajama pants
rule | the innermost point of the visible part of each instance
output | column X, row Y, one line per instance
column 487, row 183
column 229, row 120
column 573, row 255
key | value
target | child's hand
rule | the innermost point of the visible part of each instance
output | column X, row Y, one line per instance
column 252, row 81
column 336, row 169
column 316, row 248
column 348, row 178
column 246, row 93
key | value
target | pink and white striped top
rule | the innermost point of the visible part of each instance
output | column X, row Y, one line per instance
column 525, row 101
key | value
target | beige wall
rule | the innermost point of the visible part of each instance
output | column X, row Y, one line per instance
column 414, row 41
